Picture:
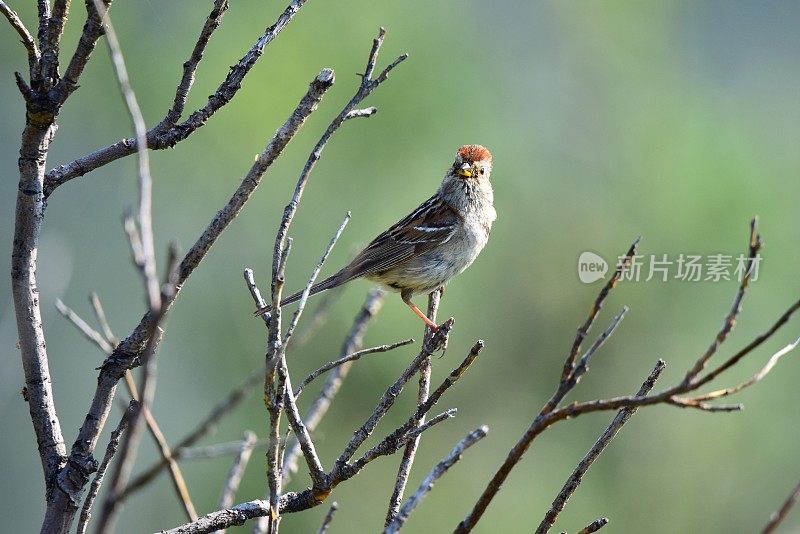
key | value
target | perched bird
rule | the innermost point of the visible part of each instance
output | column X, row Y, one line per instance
column 435, row 242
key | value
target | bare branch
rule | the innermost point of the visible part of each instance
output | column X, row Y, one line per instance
column 130, row 444
column 288, row 503
column 318, row 409
column 425, row 406
column 404, row 469
column 92, row 30
column 237, row 470
column 779, row 515
column 602, row 442
column 391, row 444
column 438, row 470
column 315, row 468
column 212, row 22
column 387, row 399
column 128, row 353
column 275, row 388
column 144, row 253
column 111, row 449
column 44, row 72
column 208, row 424
column 166, row 135
column 568, row 381
column 29, row 216
column 704, row 406
column 27, row 39
column 220, row 519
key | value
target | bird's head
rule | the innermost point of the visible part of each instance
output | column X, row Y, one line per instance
column 473, row 163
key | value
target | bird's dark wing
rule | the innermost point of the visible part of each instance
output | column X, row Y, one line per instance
column 433, row 222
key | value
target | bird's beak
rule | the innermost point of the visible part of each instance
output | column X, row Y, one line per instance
column 464, row 171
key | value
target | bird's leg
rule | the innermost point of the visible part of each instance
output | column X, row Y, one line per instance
column 406, row 296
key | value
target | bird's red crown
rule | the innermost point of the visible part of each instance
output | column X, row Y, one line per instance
column 473, row 153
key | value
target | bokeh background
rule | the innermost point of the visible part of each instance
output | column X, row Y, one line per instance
column 677, row 121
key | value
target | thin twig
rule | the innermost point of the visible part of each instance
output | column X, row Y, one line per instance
column 92, row 31
column 750, row 381
column 111, row 449
column 703, row 406
column 311, row 279
column 597, row 305
column 237, row 470
column 100, row 314
column 547, row 418
column 779, row 515
column 146, row 262
column 392, row 443
column 316, row 471
column 409, row 453
column 27, row 39
column 91, row 334
column 328, row 518
column 583, row 363
column 285, row 386
column 594, row 526
column 130, row 444
column 602, row 442
column 349, row 358
column 145, row 218
column 754, row 246
column 211, row 23
column 438, row 470
column 750, row 347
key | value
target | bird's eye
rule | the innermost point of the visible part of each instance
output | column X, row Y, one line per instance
column 481, row 171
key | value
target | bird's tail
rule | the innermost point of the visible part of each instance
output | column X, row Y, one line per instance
column 328, row 283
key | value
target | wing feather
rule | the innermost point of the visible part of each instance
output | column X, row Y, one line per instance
column 433, row 222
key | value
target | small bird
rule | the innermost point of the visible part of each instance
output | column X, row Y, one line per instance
column 432, row 244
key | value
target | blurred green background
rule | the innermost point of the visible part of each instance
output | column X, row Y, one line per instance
column 677, row 121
